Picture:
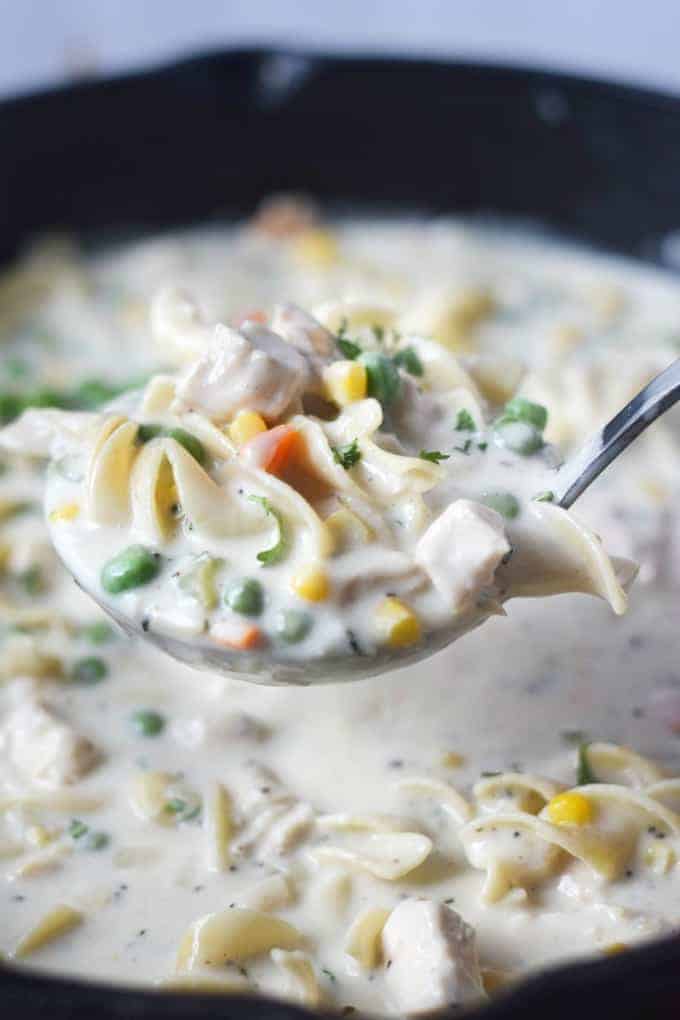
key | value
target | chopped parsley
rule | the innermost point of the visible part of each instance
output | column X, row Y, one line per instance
column 175, row 806
column 544, row 497
column 347, row 456
column 409, row 361
column 584, row 773
column 32, row 580
column 89, row 670
column 348, row 348
column 329, row 974
column 87, row 839
column 276, row 553
column 521, row 409
column 573, row 737
column 183, row 811
column 465, row 448
column 378, row 332
column 434, row 456
column 465, row 422
column 77, row 829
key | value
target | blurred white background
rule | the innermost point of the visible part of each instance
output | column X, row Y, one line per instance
column 44, row 41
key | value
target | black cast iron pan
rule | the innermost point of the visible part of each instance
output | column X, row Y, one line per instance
column 210, row 136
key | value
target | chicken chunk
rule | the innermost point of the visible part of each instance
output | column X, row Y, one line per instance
column 39, row 746
column 461, row 550
column 308, row 336
column 252, row 369
column 430, row 957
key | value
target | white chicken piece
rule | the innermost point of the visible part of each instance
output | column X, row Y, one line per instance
column 252, row 369
column 306, row 335
column 430, row 957
column 461, row 550
column 41, row 747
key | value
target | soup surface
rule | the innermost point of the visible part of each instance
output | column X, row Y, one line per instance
column 394, row 845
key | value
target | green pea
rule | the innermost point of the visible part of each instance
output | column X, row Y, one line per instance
column 148, row 723
column 382, row 377
column 503, row 502
column 97, row 633
column 11, row 406
column 131, row 568
column 89, row 670
column 520, row 437
column 147, row 432
column 293, row 625
column 190, row 443
column 521, row 409
column 245, row 596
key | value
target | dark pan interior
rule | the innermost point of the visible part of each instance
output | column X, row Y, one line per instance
column 210, row 136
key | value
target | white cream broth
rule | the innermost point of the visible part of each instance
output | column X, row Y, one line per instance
column 119, row 832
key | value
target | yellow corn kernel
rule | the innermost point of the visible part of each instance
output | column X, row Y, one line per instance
column 614, row 948
column 38, row 835
column 397, row 624
column 67, row 512
column 246, row 425
column 452, row 760
column 311, row 583
column 347, row 530
column 317, row 248
column 570, row 808
column 344, row 382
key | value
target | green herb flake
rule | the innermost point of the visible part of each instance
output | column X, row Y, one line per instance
column 490, row 775
column 465, row 448
column 521, row 409
column 32, row 580
column 465, row 422
column 97, row 841
column 349, row 349
column 329, row 974
column 378, row 332
column 175, row 806
column 409, row 361
column 347, row 456
column 275, row 554
column 434, row 456
column 573, row 737
column 77, row 829
column 584, row 773
column 89, row 670
column 544, row 497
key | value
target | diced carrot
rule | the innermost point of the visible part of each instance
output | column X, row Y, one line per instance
column 256, row 315
column 235, row 634
column 274, row 449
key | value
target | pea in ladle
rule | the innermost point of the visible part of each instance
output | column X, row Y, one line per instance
column 571, row 480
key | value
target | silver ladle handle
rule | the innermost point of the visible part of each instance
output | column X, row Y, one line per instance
column 584, row 467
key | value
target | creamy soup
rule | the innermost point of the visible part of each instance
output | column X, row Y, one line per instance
column 222, row 512
column 391, row 846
